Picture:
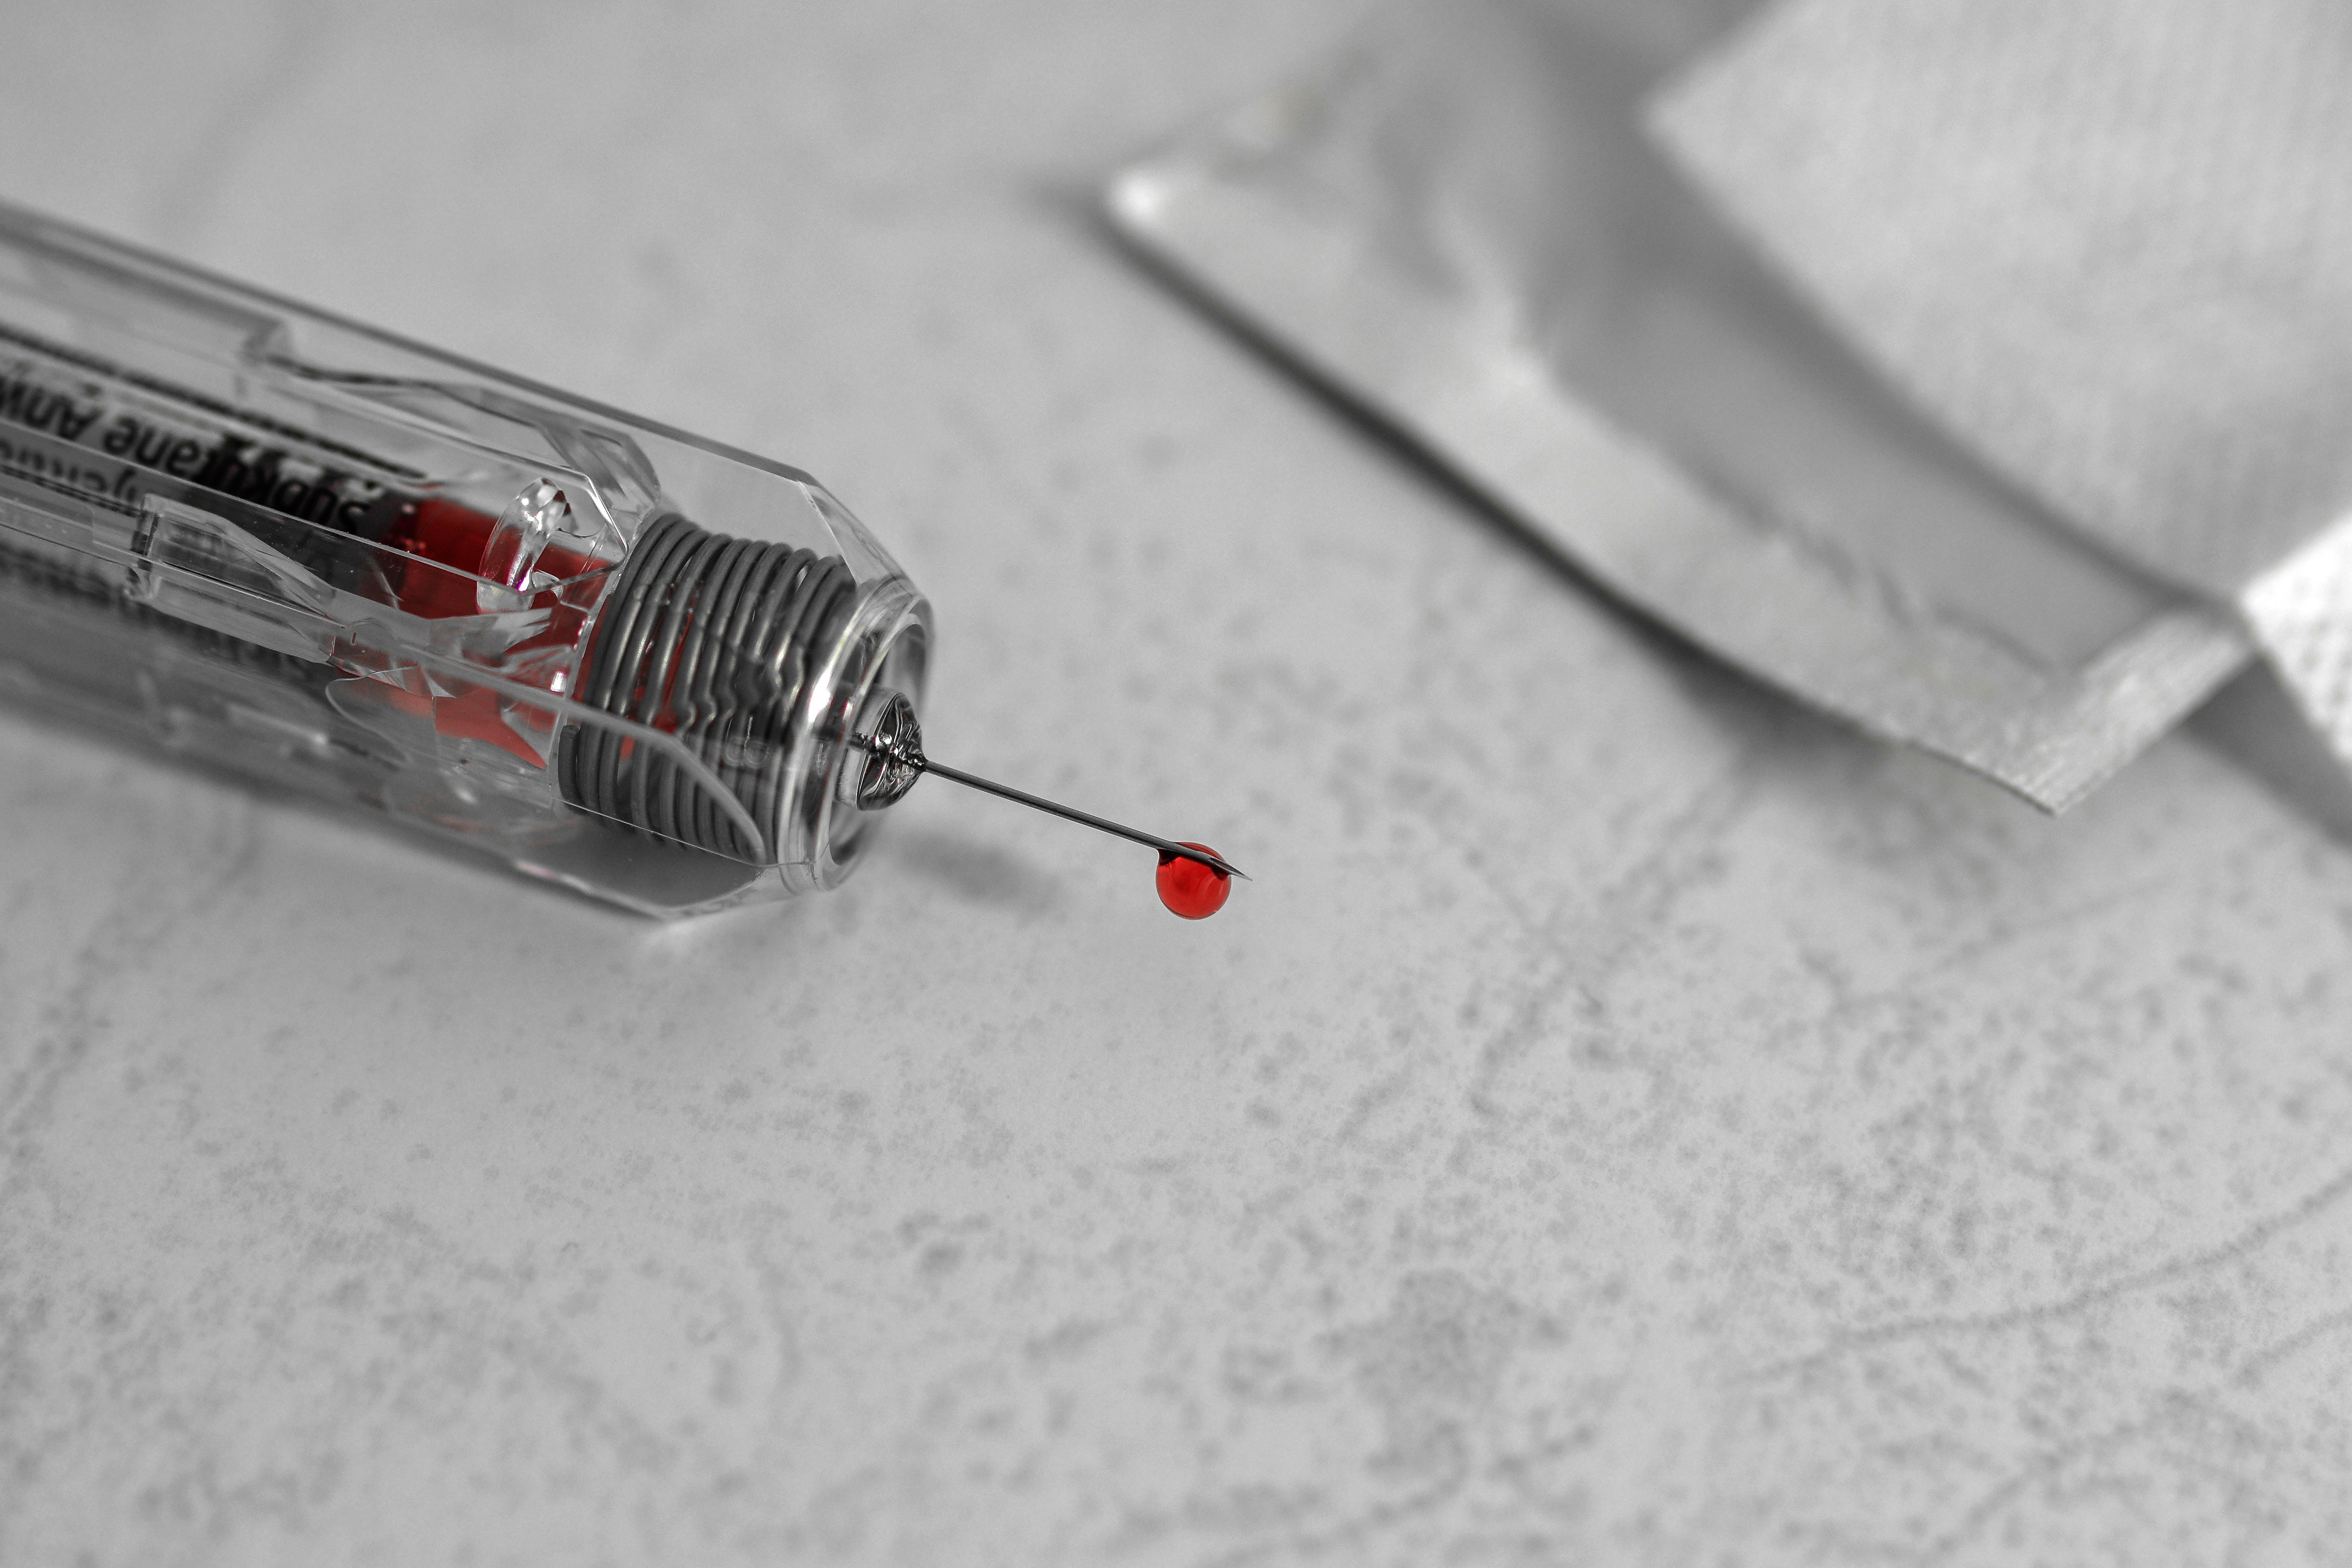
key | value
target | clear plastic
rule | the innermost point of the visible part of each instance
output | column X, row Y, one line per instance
column 278, row 543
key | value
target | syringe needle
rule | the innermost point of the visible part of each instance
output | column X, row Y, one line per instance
column 1168, row 849
column 893, row 743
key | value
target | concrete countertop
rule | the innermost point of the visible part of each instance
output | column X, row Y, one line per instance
column 1627, row 1119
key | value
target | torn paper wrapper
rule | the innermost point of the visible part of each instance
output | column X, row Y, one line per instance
column 1460, row 225
column 2107, row 243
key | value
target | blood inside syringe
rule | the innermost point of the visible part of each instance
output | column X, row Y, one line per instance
column 450, row 534
column 71, row 422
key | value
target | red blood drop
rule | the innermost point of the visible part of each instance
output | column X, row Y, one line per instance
column 1189, row 888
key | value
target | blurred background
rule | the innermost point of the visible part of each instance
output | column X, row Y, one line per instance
column 1628, row 1119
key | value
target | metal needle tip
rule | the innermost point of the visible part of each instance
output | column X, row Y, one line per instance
column 1167, row 846
column 893, row 744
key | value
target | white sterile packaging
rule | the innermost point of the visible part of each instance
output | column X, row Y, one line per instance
column 1558, row 247
column 2107, row 245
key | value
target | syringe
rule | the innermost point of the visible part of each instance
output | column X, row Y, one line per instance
column 281, row 542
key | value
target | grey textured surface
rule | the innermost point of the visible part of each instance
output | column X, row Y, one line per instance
column 1625, row 1122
